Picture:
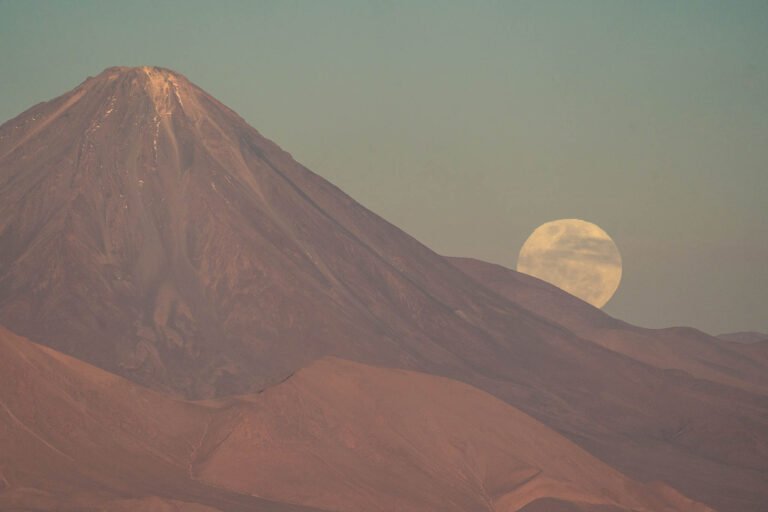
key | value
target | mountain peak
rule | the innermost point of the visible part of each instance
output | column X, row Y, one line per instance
column 115, row 72
column 164, row 87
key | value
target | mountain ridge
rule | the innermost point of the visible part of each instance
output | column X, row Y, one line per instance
column 721, row 362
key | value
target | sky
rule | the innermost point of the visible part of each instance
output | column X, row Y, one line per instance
column 469, row 124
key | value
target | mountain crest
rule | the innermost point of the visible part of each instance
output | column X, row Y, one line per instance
column 163, row 87
column 184, row 250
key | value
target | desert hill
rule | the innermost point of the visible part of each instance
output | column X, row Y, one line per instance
column 337, row 435
column 74, row 437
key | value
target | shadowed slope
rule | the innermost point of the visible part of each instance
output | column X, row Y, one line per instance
column 337, row 435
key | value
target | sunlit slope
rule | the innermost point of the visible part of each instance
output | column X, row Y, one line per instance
column 337, row 435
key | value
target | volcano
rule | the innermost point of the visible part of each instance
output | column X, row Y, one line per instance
column 148, row 230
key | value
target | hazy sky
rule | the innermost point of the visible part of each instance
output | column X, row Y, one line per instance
column 468, row 124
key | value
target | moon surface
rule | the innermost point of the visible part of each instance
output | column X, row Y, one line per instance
column 576, row 256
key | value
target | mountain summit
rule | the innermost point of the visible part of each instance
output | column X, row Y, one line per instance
column 183, row 250
column 147, row 229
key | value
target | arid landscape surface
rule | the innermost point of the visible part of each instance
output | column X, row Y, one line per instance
column 337, row 435
column 195, row 321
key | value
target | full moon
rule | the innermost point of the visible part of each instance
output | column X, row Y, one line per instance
column 576, row 256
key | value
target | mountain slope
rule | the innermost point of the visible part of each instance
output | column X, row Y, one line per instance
column 744, row 337
column 685, row 349
column 338, row 435
column 399, row 440
column 686, row 354
column 74, row 437
column 147, row 229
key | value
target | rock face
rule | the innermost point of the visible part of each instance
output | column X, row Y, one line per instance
column 148, row 230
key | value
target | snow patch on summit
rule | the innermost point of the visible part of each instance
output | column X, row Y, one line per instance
column 160, row 87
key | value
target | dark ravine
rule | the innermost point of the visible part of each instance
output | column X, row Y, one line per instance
column 147, row 229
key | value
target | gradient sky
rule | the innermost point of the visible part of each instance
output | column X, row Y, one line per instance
column 468, row 124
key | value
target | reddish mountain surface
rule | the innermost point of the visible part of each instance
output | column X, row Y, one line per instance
column 685, row 349
column 337, row 435
column 74, row 437
column 147, row 229
column 744, row 337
